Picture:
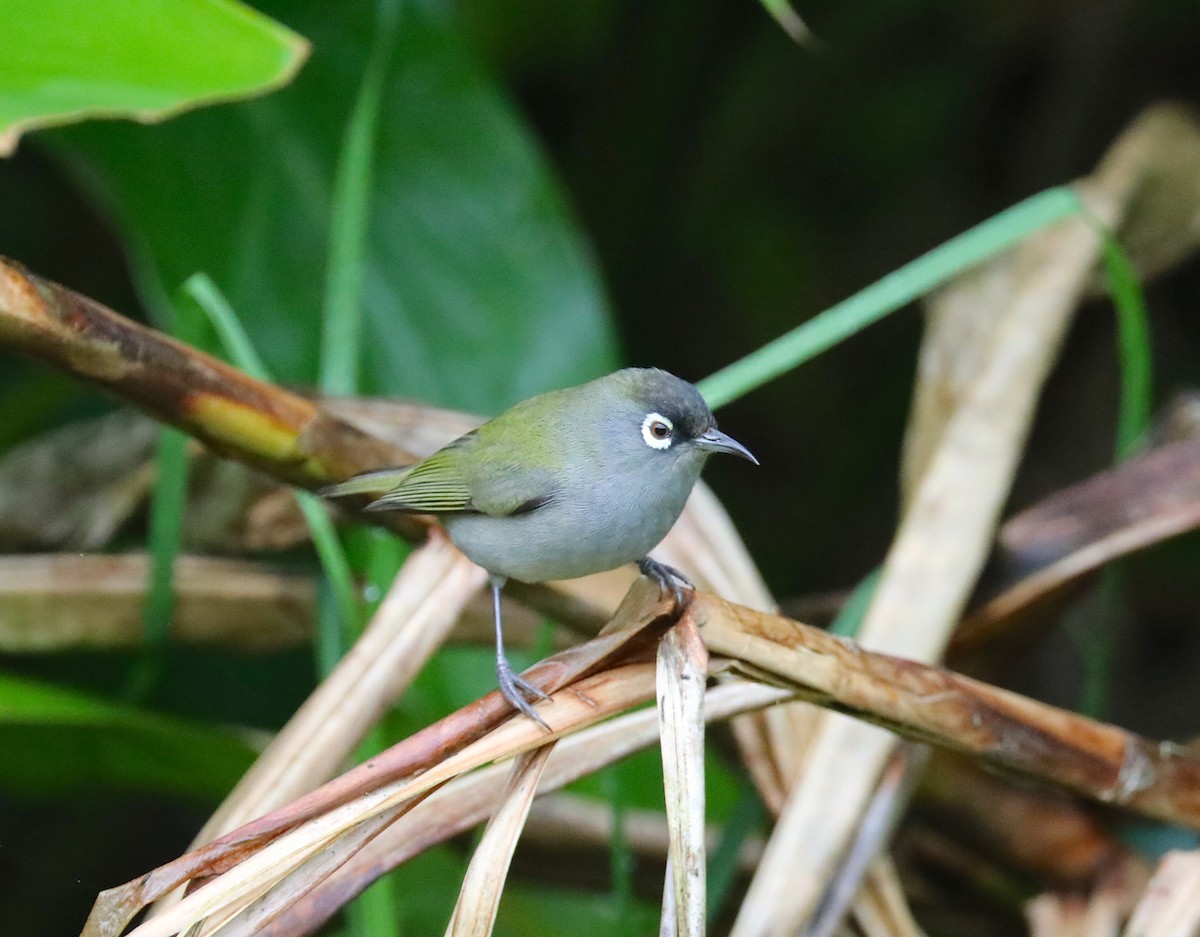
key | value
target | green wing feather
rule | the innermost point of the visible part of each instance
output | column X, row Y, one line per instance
column 491, row 470
column 434, row 486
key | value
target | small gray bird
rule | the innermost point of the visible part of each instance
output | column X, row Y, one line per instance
column 565, row 484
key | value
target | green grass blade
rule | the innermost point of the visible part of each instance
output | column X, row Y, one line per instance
column 342, row 322
column 167, row 506
column 895, row 290
column 208, row 296
column 1134, row 352
column 747, row 817
column 1097, row 641
column 851, row 614
column 237, row 344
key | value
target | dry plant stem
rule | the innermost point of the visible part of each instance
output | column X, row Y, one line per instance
column 412, row 621
column 1076, row 531
column 271, row 867
column 681, row 670
column 668, row 918
column 51, row 602
column 706, row 546
column 881, row 909
column 641, row 618
column 468, row 800
column 255, row 917
column 1170, row 906
column 925, row 703
column 479, row 898
column 956, row 488
column 998, row 728
column 887, row 803
column 237, row 416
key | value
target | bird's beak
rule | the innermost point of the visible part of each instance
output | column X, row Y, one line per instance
column 716, row 441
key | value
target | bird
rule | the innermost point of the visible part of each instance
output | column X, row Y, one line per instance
column 565, row 484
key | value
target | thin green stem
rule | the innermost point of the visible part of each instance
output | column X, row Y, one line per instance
column 342, row 333
column 1134, row 352
column 894, row 291
column 238, row 346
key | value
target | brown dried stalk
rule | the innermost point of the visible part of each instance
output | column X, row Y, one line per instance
column 682, row 665
column 1059, row 541
column 926, row 703
column 923, row 702
column 56, row 601
column 637, row 623
column 237, row 416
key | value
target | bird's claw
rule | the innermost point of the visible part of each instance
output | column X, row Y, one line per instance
column 519, row 691
column 669, row 579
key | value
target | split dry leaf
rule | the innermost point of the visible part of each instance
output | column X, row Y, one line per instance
column 682, row 668
column 271, row 868
column 412, row 621
column 470, row 799
column 639, row 621
column 52, row 602
column 992, row 340
column 273, row 859
column 479, row 898
column 1067, row 536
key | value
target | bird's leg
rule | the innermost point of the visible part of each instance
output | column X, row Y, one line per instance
column 512, row 687
column 669, row 579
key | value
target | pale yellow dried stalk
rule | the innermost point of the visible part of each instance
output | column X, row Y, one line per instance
column 418, row 611
column 681, row 671
column 479, row 898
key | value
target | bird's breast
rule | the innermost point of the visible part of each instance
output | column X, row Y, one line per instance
column 569, row 537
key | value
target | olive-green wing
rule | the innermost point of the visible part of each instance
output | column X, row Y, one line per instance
column 433, row 486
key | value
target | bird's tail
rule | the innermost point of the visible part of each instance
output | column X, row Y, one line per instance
column 368, row 483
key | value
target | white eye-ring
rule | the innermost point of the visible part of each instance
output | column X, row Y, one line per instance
column 656, row 431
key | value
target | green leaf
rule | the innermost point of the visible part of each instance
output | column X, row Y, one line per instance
column 68, row 60
column 56, row 741
column 478, row 288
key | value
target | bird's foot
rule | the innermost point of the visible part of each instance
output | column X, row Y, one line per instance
column 518, row 692
column 669, row 579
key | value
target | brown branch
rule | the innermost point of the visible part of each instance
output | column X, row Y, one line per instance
column 930, row 704
column 1052, row 547
column 286, row 435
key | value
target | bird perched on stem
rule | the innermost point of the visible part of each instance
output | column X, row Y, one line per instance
column 565, row 484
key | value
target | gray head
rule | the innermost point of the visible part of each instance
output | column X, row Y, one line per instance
column 668, row 417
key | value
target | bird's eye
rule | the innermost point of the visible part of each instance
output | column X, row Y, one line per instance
column 656, row 431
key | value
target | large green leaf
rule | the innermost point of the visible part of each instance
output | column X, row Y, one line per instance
column 65, row 60
column 479, row 288
column 56, row 741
